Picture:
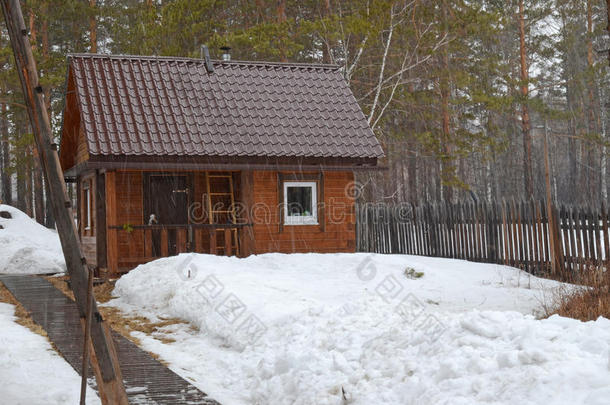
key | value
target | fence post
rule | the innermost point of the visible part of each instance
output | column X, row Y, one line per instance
column 606, row 236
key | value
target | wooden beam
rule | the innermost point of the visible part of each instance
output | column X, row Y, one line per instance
column 100, row 216
column 104, row 360
column 112, row 242
column 213, row 249
column 162, row 164
column 228, row 250
column 164, row 243
column 246, row 197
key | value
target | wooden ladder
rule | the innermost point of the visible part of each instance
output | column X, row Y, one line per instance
column 231, row 242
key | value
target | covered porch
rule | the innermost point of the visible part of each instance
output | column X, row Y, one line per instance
column 154, row 214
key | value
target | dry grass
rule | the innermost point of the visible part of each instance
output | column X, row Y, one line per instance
column 61, row 284
column 587, row 303
column 23, row 316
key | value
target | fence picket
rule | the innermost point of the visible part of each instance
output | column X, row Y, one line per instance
column 513, row 233
column 535, row 233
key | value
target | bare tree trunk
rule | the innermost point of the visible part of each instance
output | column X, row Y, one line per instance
column 281, row 18
column 92, row 27
column 27, row 172
column 447, row 167
column 604, row 113
column 606, row 126
column 5, row 178
column 525, row 115
column 38, row 194
column 21, row 180
column 50, row 220
column 603, row 164
column 326, row 56
column 593, row 120
column 412, row 158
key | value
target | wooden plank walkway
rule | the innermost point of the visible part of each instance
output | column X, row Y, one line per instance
column 146, row 380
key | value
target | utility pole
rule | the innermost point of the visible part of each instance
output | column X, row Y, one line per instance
column 104, row 358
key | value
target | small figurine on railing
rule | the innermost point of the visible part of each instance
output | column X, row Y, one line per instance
column 152, row 220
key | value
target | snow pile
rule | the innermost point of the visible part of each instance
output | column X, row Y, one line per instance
column 30, row 371
column 360, row 329
column 27, row 247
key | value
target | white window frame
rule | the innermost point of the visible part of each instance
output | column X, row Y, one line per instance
column 302, row 220
column 87, row 189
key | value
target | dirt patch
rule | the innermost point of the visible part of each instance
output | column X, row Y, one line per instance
column 23, row 316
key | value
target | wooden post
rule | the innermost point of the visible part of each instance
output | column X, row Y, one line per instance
column 148, row 242
column 246, row 197
column 213, row 249
column 504, row 233
column 164, row 242
column 606, row 236
column 228, row 250
column 83, row 385
column 105, row 362
column 112, row 235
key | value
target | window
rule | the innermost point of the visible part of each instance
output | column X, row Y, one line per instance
column 87, row 204
column 300, row 203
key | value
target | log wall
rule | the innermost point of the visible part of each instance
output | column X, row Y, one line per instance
column 335, row 233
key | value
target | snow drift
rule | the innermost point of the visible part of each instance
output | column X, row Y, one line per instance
column 360, row 329
column 27, row 247
column 31, row 371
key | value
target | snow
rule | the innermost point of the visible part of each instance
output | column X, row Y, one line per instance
column 362, row 328
column 27, row 247
column 30, row 371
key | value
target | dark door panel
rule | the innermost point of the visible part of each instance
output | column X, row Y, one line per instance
column 168, row 199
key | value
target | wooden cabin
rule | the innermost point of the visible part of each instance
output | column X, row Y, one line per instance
column 174, row 155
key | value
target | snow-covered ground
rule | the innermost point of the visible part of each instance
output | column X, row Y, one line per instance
column 27, row 247
column 362, row 329
column 326, row 329
column 31, row 373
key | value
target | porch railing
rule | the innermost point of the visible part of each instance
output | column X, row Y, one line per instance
column 137, row 244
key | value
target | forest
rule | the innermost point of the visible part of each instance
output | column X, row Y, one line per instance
column 462, row 94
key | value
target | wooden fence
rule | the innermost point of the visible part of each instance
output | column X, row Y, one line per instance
column 511, row 233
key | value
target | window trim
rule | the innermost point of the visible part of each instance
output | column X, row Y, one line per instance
column 301, row 176
column 301, row 220
column 87, row 202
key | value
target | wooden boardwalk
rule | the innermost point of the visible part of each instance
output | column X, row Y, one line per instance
column 146, row 380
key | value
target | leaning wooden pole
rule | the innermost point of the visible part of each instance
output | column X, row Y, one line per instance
column 103, row 357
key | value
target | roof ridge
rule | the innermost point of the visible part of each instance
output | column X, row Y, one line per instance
column 215, row 61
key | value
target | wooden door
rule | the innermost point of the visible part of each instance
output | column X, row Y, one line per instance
column 168, row 202
column 168, row 199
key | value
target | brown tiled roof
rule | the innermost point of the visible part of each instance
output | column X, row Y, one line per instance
column 133, row 105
